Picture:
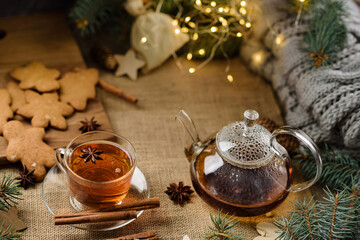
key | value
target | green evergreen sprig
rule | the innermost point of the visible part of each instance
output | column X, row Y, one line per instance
column 335, row 217
column 90, row 15
column 328, row 32
column 9, row 192
column 339, row 168
column 8, row 233
column 223, row 227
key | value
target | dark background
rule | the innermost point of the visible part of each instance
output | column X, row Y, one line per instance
column 18, row 7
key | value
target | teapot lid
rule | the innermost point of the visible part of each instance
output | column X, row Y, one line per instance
column 245, row 143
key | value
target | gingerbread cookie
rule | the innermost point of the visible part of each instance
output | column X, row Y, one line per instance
column 36, row 75
column 17, row 96
column 5, row 110
column 77, row 87
column 45, row 109
column 27, row 146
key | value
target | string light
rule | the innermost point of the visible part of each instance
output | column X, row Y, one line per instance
column 177, row 31
column 213, row 29
column 242, row 11
column 279, row 39
column 258, row 57
column 185, row 30
column 202, row 52
column 191, row 24
column 189, row 56
column 230, row 78
column 175, row 22
column 217, row 20
column 143, row 40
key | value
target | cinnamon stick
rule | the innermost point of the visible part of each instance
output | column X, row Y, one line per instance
column 147, row 203
column 143, row 204
column 117, row 91
column 97, row 217
column 149, row 235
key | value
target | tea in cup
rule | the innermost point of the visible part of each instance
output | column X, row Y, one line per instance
column 99, row 167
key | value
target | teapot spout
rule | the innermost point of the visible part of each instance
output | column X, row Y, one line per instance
column 194, row 144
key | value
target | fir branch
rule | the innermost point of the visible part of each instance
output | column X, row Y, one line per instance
column 8, row 233
column 9, row 192
column 222, row 229
column 287, row 230
column 339, row 168
column 328, row 34
column 90, row 15
column 305, row 219
column 335, row 217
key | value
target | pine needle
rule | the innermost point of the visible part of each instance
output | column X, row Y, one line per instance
column 339, row 168
column 335, row 217
column 9, row 192
column 8, row 233
column 223, row 227
column 90, row 15
column 328, row 34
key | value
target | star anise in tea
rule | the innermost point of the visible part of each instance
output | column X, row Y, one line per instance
column 91, row 154
column 179, row 193
column 26, row 177
column 89, row 125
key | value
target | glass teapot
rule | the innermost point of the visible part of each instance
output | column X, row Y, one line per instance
column 243, row 169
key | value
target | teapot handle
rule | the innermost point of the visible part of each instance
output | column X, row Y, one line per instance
column 309, row 143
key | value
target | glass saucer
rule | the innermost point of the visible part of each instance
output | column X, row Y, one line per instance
column 56, row 196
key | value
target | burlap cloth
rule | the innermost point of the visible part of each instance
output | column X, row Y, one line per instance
column 150, row 126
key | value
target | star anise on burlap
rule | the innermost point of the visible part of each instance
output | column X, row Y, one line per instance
column 179, row 193
column 91, row 154
column 89, row 125
column 26, row 177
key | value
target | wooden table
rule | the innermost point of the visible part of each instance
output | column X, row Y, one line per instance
column 210, row 100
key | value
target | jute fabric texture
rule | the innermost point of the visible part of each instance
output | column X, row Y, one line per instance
column 324, row 101
column 151, row 127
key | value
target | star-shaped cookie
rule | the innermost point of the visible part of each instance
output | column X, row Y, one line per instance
column 5, row 110
column 45, row 109
column 128, row 64
column 26, row 144
column 36, row 75
column 77, row 87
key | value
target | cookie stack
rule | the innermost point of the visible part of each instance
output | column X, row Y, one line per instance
column 44, row 99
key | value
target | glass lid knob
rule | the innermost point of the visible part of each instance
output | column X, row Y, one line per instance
column 250, row 118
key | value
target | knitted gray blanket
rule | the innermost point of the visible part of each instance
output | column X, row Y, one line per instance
column 323, row 101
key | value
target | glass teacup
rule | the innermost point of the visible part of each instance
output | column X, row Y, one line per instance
column 99, row 167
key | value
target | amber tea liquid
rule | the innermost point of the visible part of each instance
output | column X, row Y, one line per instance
column 110, row 178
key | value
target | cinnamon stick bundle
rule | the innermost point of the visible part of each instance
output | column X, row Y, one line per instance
column 123, row 211
column 149, row 235
column 117, row 91
column 97, row 217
